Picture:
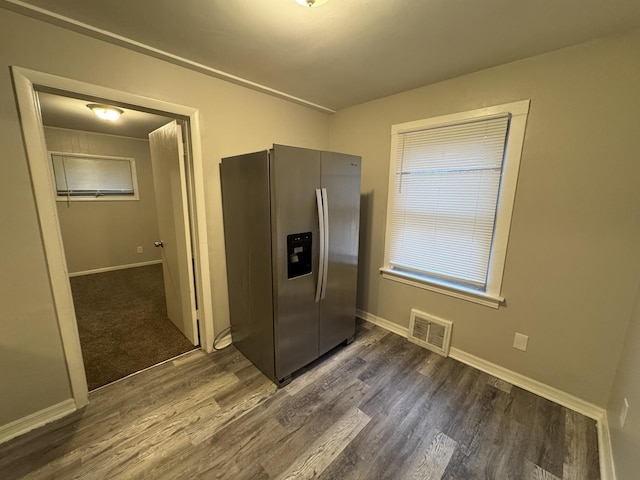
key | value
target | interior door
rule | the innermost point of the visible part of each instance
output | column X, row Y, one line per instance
column 167, row 160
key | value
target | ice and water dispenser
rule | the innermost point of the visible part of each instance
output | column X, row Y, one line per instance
column 298, row 254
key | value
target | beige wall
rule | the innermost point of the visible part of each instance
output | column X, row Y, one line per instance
column 572, row 263
column 233, row 120
column 100, row 234
column 626, row 441
column 573, row 258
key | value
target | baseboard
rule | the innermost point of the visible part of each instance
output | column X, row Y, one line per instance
column 605, row 449
column 114, row 268
column 607, row 468
column 381, row 322
column 545, row 391
column 36, row 420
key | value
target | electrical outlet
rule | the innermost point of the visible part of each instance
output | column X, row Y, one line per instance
column 520, row 342
column 140, row 249
column 623, row 412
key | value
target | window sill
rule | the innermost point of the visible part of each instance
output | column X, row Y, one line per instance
column 104, row 198
column 442, row 287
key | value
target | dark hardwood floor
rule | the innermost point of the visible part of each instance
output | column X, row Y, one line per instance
column 379, row 408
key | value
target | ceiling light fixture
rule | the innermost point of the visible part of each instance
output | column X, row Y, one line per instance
column 311, row 3
column 105, row 112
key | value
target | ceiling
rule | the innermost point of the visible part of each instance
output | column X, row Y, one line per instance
column 347, row 51
column 73, row 113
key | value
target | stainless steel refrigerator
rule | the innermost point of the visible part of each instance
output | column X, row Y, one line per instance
column 291, row 221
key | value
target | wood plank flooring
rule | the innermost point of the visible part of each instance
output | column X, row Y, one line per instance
column 380, row 408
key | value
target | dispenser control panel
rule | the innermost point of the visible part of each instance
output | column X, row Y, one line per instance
column 298, row 254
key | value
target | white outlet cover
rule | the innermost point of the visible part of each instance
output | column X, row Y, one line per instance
column 140, row 250
column 623, row 412
column 520, row 342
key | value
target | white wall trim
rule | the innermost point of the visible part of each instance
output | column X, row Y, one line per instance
column 550, row 393
column 94, row 198
column 114, row 268
column 607, row 468
column 492, row 297
column 36, row 420
column 381, row 322
column 35, row 145
column 605, row 449
column 201, row 239
column 113, row 38
column 444, row 288
column 534, row 386
column 44, row 194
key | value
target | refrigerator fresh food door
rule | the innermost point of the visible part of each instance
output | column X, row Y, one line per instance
column 340, row 179
column 295, row 176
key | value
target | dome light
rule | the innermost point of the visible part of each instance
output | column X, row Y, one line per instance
column 105, row 112
column 311, row 3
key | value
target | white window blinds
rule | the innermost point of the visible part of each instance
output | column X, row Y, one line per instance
column 92, row 176
column 443, row 208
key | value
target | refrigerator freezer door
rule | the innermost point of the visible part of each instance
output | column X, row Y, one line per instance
column 295, row 176
column 340, row 175
column 247, row 231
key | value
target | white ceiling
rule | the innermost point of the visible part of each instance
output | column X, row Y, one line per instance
column 346, row 51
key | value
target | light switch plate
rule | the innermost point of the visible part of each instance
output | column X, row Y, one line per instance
column 520, row 342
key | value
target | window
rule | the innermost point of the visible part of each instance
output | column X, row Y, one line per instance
column 451, row 191
column 93, row 177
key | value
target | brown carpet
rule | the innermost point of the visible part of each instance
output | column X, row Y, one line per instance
column 123, row 324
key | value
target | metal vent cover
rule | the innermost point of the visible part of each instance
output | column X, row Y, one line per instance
column 430, row 332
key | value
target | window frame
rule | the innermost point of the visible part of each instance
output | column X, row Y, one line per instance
column 87, row 198
column 492, row 295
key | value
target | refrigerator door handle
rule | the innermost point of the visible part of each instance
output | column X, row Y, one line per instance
column 325, row 270
column 322, row 246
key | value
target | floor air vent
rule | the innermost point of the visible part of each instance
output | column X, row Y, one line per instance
column 430, row 332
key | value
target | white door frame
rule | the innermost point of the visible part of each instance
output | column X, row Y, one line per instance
column 33, row 132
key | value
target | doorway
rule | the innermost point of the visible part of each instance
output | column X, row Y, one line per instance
column 106, row 175
column 27, row 83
